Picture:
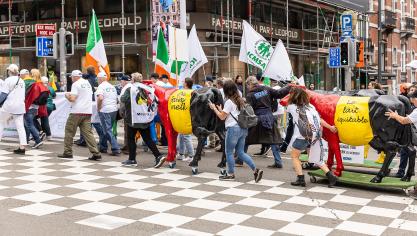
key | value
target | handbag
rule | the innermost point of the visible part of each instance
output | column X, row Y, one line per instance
column 4, row 95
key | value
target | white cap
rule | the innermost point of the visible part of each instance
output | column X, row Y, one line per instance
column 24, row 72
column 44, row 79
column 102, row 74
column 76, row 73
column 13, row 68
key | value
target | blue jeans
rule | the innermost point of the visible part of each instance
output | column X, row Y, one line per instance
column 185, row 145
column 101, row 137
column 107, row 120
column 276, row 152
column 30, row 125
column 235, row 141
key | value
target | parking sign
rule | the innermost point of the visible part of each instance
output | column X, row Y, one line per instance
column 346, row 24
column 334, row 57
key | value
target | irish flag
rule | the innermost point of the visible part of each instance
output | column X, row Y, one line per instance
column 162, row 63
column 96, row 54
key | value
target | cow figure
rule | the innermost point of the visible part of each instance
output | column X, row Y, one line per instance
column 388, row 135
column 204, row 122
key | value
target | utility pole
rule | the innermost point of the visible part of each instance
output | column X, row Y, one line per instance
column 62, row 59
column 379, row 41
column 123, row 36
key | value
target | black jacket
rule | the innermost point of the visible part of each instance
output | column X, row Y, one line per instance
column 261, row 98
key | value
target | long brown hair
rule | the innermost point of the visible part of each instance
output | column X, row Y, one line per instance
column 299, row 97
column 231, row 92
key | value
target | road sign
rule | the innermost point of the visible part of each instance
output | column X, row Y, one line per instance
column 334, row 57
column 44, row 47
column 346, row 24
column 45, row 30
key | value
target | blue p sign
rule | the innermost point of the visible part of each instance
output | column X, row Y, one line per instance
column 346, row 23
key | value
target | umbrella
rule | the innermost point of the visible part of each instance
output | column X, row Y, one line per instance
column 412, row 64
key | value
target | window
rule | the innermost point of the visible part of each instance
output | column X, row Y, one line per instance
column 394, row 56
column 412, row 2
column 402, row 7
column 394, row 5
column 413, row 75
column 371, row 5
column 157, row 7
column 413, row 54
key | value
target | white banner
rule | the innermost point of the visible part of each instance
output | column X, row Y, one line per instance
column 350, row 154
column 254, row 49
column 279, row 67
column 141, row 111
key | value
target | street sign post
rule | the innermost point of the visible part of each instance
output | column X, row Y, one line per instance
column 334, row 57
column 45, row 43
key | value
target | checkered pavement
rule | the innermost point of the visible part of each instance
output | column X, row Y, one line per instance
column 165, row 201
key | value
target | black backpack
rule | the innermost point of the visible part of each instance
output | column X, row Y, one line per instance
column 304, row 126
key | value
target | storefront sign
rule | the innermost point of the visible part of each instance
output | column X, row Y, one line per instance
column 106, row 23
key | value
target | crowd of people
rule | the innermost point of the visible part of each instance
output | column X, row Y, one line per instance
column 27, row 99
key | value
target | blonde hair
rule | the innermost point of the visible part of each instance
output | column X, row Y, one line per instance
column 36, row 75
column 137, row 77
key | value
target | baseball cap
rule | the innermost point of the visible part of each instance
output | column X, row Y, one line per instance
column 125, row 78
column 13, row 68
column 102, row 74
column 24, row 72
column 76, row 73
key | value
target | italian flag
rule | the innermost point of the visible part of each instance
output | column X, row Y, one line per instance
column 96, row 54
column 162, row 62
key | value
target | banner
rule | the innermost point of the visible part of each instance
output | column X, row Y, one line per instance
column 350, row 154
column 143, row 104
column 254, row 49
column 165, row 18
column 279, row 66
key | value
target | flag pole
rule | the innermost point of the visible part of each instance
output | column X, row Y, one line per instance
column 176, row 59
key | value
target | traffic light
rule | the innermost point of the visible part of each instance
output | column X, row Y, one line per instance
column 344, row 53
column 69, row 43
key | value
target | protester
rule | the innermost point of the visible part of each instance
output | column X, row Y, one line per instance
column 107, row 110
column 154, row 77
column 185, row 145
column 125, row 82
column 239, row 83
column 142, row 128
column 235, row 135
column 209, row 81
column 374, row 85
column 266, row 131
column 14, row 106
column 164, row 82
column 307, row 121
column 44, row 127
column 80, row 116
column 311, row 87
column 32, row 108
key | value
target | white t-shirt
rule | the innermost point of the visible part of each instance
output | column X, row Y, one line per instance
column 109, row 94
column 230, row 108
column 292, row 109
column 413, row 117
column 15, row 102
column 83, row 103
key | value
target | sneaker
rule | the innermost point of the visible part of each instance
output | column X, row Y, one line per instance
column 159, row 161
column 275, row 166
column 258, row 175
column 66, row 156
column 95, row 158
column 227, row 177
column 180, row 157
column 42, row 136
column 37, row 145
column 130, row 163
column 19, row 151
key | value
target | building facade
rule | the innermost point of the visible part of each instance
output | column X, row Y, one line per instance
column 399, row 39
column 307, row 28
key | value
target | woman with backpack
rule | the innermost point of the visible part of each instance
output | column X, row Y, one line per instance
column 307, row 134
column 235, row 135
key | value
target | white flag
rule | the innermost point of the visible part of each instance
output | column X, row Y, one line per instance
column 279, row 67
column 196, row 55
column 301, row 81
column 178, row 51
column 254, row 49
